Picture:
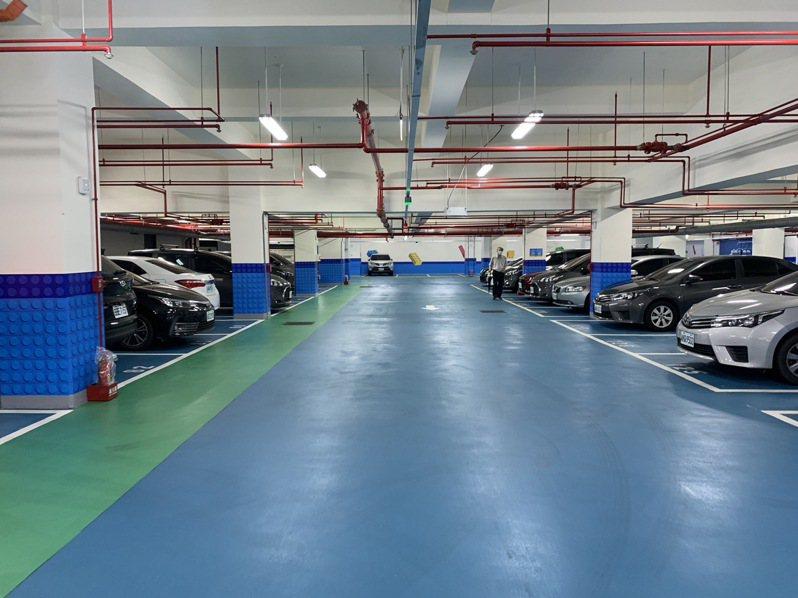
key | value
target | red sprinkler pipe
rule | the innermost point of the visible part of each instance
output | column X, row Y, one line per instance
column 369, row 146
column 549, row 34
column 83, row 43
column 632, row 44
column 155, row 189
column 194, row 183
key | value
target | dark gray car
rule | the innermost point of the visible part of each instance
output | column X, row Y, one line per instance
column 659, row 299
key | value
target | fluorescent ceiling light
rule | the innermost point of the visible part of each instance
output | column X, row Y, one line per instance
column 529, row 123
column 317, row 170
column 484, row 169
column 273, row 127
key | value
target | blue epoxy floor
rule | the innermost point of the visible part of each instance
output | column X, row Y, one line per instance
column 403, row 451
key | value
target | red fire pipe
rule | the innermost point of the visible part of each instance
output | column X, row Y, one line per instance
column 368, row 144
column 548, row 34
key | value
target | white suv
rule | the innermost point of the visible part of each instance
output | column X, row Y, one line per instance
column 380, row 263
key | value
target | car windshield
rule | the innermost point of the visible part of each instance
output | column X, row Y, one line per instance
column 673, row 270
column 109, row 268
column 140, row 281
column 381, row 257
column 576, row 262
column 169, row 266
column 786, row 285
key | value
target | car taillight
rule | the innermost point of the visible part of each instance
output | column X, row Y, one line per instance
column 191, row 284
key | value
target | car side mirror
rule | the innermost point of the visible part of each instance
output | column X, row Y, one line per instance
column 634, row 273
column 692, row 279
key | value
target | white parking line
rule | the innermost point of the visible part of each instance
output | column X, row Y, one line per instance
column 782, row 416
column 54, row 415
column 680, row 354
column 660, row 334
column 143, row 354
column 644, row 359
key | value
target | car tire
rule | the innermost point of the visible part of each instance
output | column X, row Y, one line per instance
column 661, row 316
column 785, row 361
column 586, row 306
column 142, row 338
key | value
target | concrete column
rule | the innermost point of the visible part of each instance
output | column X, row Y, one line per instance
column 332, row 267
column 768, row 242
column 249, row 239
column 610, row 248
column 534, row 250
column 487, row 251
column 50, row 320
column 791, row 248
column 470, row 256
column 676, row 242
column 352, row 257
column 709, row 246
column 306, row 262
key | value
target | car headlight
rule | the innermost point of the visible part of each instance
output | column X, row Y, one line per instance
column 273, row 282
column 573, row 289
column 625, row 296
column 748, row 321
column 180, row 302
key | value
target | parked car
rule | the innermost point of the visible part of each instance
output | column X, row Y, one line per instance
column 207, row 262
column 166, row 312
column 512, row 275
column 575, row 292
column 659, row 299
column 281, row 292
column 157, row 269
column 512, row 265
column 283, row 267
column 556, row 259
column 380, row 263
column 119, row 301
column 756, row 328
column 542, row 286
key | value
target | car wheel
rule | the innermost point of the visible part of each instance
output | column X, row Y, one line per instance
column 586, row 307
column 786, row 359
column 661, row 316
column 142, row 337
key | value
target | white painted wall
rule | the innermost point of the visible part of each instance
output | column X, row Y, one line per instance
column 768, row 241
column 429, row 249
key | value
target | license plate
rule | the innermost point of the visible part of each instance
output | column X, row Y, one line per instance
column 597, row 308
column 210, row 315
column 688, row 339
column 209, row 286
column 120, row 310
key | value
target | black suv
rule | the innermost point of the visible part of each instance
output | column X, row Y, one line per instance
column 659, row 299
column 119, row 302
column 558, row 258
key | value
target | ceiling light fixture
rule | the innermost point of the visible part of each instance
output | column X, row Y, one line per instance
column 273, row 127
column 529, row 123
column 484, row 170
column 317, row 170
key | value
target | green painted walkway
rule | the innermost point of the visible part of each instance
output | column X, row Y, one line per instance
column 57, row 479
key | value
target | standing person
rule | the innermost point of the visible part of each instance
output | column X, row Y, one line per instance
column 497, row 265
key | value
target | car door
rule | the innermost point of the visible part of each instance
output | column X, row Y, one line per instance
column 715, row 277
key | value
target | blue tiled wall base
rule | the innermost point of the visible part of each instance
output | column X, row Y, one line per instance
column 607, row 274
column 353, row 267
column 532, row 266
column 49, row 335
column 332, row 270
column 470, row 266
column 791, row 259
column 307, row 278
column 251, row 291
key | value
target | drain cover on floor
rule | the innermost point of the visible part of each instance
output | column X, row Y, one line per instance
column 492, row 311
column 366, row 286
column 299, row 323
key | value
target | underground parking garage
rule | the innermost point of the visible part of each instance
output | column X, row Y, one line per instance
column 401, row 297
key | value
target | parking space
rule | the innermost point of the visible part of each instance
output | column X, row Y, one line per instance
column 16, row 422
column 657, row 349
column 131, row 366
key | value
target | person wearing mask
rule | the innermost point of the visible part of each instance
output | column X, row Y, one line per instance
column 497, row 265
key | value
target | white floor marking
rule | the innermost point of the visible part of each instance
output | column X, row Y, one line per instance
column 54, row 415
column 644, row 359
column 660, row 334
column 680, row 354
column 181, row 357
column 782, row 416
column 144, row 354
column 211, row 333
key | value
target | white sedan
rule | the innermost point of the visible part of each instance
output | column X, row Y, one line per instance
column 159, row 270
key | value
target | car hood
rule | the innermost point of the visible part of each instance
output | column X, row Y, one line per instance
column 170, row 291
column 636, row 285
column 576, row 280
column 281, row 282
column 743, row 303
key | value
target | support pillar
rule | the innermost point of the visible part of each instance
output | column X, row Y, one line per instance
column 610, row 248
column 534, row 250
column 768, row 242
column 470, row 264
column 306, row 262
column 487, row 251
column 249, row 238
column 791, row 248
column 51, row 322
column 332, row 267
column 352, row 257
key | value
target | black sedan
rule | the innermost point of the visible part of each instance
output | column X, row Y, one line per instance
column 119, row 301
column 281, row 292
column 166, row 312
